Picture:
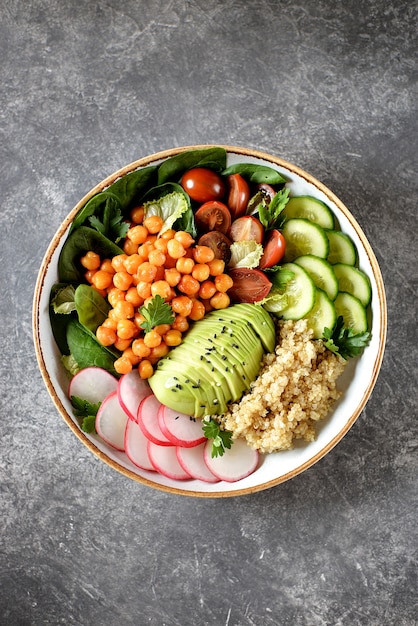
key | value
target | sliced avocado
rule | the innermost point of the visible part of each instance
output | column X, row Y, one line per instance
column 219, row 357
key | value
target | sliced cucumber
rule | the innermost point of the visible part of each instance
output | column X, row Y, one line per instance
column 341, row 248
column 322, row 315
column 352, row 312
column 299, row 295
column 321, row 272
column 354, row 281
column 304, row 237
column 311, row 209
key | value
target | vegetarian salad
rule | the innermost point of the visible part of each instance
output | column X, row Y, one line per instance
column 172, row 282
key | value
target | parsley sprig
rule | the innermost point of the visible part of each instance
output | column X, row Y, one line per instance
column 221, row 439
column 156, row 312
column 86, row 411
column 343, row 341
column 116, row 228
column 270, row 214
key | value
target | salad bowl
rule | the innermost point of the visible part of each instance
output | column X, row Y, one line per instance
column 356, row 383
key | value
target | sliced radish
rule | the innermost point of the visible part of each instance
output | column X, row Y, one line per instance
column 237, row 462
column 192, row 461
column 111, row 422
column 136, row 446
column 179, row 428
column 148, row 421
column 131, row 391
column 165, row 461
column 92, row 384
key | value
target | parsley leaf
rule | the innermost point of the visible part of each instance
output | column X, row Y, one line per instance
column 116, row 228
column 221, row 439
column 157, row 312
column 343, row 341
column 270, row 214
column 86, row 411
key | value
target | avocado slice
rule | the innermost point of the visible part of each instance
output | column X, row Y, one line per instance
column 219, row 357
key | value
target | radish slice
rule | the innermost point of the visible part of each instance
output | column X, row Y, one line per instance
column 136, row 446
column 111, row 422
column 192, row 461
column 179, row 428
column 237, row 462
column 164, row 460
column 148, row 421
column 131, row 391
column 92, row 384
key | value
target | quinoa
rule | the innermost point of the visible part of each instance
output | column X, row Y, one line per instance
column 295, row 388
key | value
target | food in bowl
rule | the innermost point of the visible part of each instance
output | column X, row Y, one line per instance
column 181, row 281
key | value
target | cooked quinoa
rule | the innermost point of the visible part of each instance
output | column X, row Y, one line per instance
column 296, row 387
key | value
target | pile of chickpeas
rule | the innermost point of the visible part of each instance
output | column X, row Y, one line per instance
column 171, row 265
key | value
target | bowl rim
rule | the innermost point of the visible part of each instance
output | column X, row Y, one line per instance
column 160, row 156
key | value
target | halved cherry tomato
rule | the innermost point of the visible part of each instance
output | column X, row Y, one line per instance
column 213, row 215
column 250, row 285
column 238, row 195
column 203, row 184
column 274, row 249
column 247, row 228
column 219, row 243
column 267, row 190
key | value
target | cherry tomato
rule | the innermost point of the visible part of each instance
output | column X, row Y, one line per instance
column 213, row 215
column 219, row 243
column 247, row 228
column 267, row 190
column 238, row 195
column 250, row 285
column 274, row 249
column 203, row 184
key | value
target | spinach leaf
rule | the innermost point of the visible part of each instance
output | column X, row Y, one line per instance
column 78, row 243
column 256, row 173
column 92, row 308
column 86, row 350
column 60, row 321
column 117, row 197
column 172, row 169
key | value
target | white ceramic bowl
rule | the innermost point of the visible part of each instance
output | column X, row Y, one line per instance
column 357, row 381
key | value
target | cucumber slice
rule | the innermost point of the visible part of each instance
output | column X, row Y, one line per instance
column 310, row 209
column 341, row 248
column 354, row 281
column 304, row 237
column 321, row 272
column 322, row 315
column 352, row 312
column 299, row 297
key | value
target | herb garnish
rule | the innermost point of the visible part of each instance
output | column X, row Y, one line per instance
column 156, row 312
column 270, row 214
column 221, row 439
column 86, row 411
column 343, row 341
column 117, row 227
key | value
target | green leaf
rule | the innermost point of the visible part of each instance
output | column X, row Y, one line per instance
column 63, row 302
column 221, row 439
column 245, row 254
column 92, row 308
column 77, row 244
column 343, row 341
column 256, row 173
column 169, row 207
column 70, row 365
column 157, row 312
column 86, row 412
column 173, row 168
column 86, row 349
column 270, row 214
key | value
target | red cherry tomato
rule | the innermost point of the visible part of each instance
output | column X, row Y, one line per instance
column 238, row 195
column 250, row 285
column 274, row 249
column 219, row 243
column 247, row 228
column 203, row 184
column 213, row 215
column 267, row 190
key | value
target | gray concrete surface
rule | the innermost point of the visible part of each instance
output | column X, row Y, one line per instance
column 87, row 87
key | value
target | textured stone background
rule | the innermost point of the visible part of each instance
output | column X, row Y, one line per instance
column 87, row 87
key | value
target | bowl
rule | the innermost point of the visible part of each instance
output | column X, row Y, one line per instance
column 357, row 381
